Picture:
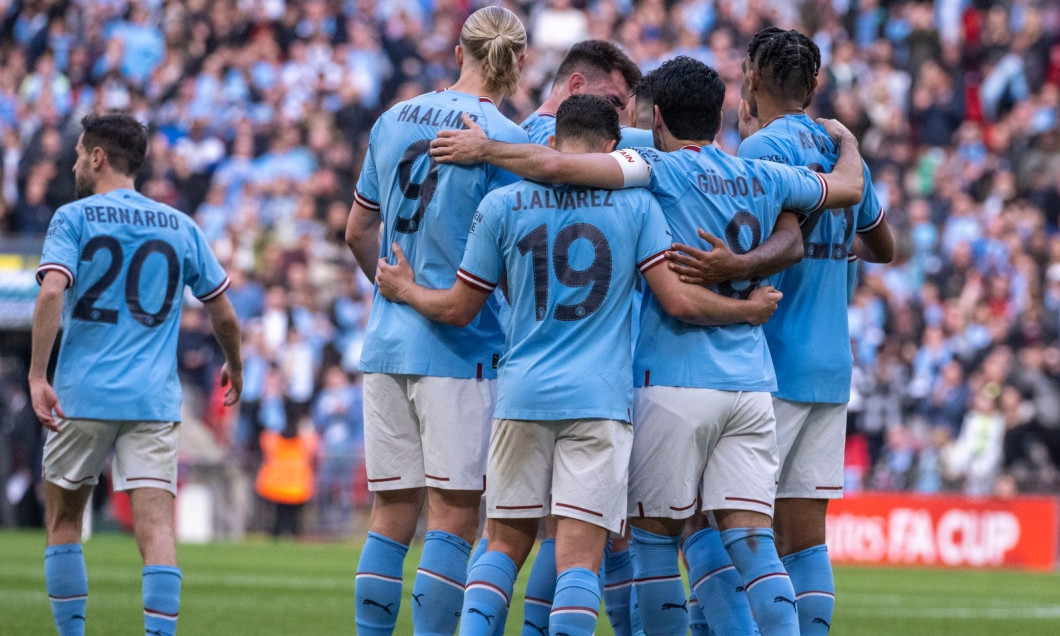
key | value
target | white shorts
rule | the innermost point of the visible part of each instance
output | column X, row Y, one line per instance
column 582, row 464
column 701, row 448
column 145, row 454
column 811, row 438
column 426, row 431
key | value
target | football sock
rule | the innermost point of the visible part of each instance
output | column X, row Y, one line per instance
column 636, row 625
column 766, row 583
column 488, row 593
column 438, row 592
column 67, row 583
column 576, row 604
column 697, row 620
column 811, row 576
column 479, row 550
column 540, row 588
column 377, row 591
column 161, row 591
column 618, row 579
column 660, row 591
column 717, row 585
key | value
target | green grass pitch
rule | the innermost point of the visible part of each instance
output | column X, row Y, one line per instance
column 262, row 587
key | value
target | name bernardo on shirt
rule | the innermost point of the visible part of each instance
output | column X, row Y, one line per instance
column 559, row 200
column 130, row 216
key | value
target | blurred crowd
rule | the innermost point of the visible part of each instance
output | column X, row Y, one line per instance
column 259, row 112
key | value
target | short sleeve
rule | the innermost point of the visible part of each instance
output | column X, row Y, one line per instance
column 668, row 177
column 762, row 147
column 62, row 245
column 870, row 212
column 366, row 193
column 798, row 189
column 483, row 265
column 654, row 239
column 202, row 272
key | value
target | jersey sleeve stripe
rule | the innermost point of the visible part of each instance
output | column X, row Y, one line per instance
column 364, row 201
column 475, row 281
column 56, row 267
column 851, row 258
column 220, row 289
column 651, row 261
column 874, row 224
column 824, row 193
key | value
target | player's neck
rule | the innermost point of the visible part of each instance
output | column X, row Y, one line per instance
column 109, row 183
column 551, row 104
column 472, row 83
column 770, row 110
column 670, row 143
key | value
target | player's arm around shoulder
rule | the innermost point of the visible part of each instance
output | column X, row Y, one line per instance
column 226, row 330
column 541, row 163
column 456, row 306
column 846, row 182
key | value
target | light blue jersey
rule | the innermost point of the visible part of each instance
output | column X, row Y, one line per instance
column 427, row 208
column 636, row 138
column 539, row 126
column 737, row 200
column 571, row 255
column 127, row 259
column 808, row 335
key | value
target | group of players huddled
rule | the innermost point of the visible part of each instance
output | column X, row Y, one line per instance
column 498, row 357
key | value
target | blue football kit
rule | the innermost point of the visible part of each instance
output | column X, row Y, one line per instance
column 571, row 255
column 738, row 200
column 808, row 335
column 432, row 232
column 127, row 259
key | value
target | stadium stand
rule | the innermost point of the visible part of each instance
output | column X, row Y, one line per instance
column 259, row 112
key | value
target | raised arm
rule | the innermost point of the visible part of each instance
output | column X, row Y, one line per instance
column 781, row 250
column 540, row 163
column 700, row 306
column 457, row 305
column 362, row 235
column 226, row 330
column 47, row 317
column 846, row 182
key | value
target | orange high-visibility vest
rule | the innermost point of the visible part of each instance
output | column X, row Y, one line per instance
column 286, row 474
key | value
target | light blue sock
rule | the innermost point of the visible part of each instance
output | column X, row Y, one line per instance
column 438, row 591
column 377, row 591
column 766, row 583
column 540, row 589
column 488, row 593
column 697, row 620
column 660, row 591
column 161, row 590
column 717, row 585
column 576, row 604
column 477, row 553
column 618, row 579
column 636, row 625
column 811, row 576
column 67, row 583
